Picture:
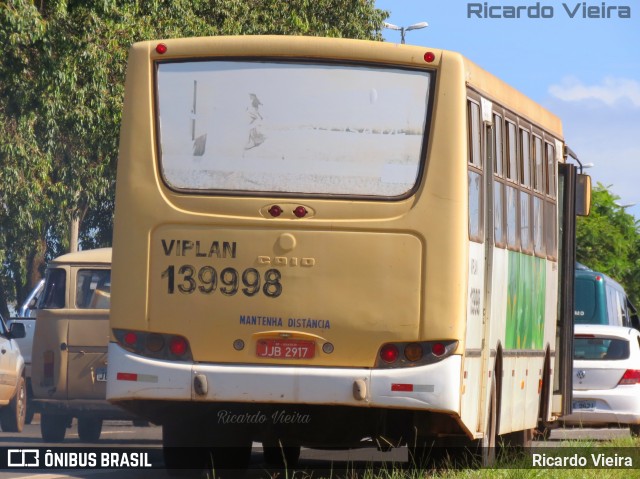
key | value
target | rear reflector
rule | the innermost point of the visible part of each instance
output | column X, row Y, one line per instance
column 127, row 377
column 402, row 387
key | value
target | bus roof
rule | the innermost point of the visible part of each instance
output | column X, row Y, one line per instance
column 91, row 256
column 497, row 90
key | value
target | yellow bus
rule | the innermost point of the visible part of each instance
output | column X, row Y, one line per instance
column 319, row 241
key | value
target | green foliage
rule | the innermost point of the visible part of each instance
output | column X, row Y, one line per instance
column 608, row 240
column 61, row 94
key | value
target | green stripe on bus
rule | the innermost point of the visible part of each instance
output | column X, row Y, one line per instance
column 525, row 302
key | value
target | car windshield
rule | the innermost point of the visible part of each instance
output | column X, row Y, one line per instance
column 599, row 348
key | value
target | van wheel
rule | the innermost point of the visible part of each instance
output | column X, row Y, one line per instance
column 13, row 415
column 53, row 427
column 89, row 429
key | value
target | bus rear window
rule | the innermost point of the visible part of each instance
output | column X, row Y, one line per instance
column 300, row 128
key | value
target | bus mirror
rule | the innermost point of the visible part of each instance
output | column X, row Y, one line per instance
column 583, row 195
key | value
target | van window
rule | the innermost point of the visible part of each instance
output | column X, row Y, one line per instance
column 93, row 289
column 585, row 301
column 54, row 289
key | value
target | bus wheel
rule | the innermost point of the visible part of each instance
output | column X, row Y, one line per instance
column 635, row 430
column 488, row 443
column 277, row 455
column 53, row 427
column 89, row 429
column 13, row 415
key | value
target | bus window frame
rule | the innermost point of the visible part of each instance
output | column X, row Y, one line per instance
column 423, row 156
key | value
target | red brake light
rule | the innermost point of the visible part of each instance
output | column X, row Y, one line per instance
column 389, row 353
column 438, row 349
column 131, row 338
column 631, row 376
column 178, row 346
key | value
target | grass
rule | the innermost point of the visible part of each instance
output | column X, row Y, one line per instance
column 508, row 466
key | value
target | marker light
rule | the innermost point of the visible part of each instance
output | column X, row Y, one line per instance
column 275, row 211
column 389, row 353
column 300, row 212
column 429, row 57
column 161, row 48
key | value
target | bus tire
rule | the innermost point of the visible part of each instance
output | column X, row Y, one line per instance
column 53, row 427
column 12, row 416
column 488, row 442
column 89, row 429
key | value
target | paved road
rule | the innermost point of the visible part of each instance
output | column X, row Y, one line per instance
column 123, row 434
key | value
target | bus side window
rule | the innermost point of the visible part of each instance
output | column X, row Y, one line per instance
column 475, row 173
column 498, row 185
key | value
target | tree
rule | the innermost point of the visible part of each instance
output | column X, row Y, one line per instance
column 608, row 240
column 61, row 95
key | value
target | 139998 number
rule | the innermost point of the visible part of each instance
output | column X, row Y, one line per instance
column 187, row 279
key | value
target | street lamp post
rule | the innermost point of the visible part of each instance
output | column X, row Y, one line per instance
column 402, row 30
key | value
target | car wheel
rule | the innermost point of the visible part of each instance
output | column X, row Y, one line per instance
column 13, row 416
column 89, row 429
column 53, row 427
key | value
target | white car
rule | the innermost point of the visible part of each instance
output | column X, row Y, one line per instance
column 13, row 391
column 606, row 377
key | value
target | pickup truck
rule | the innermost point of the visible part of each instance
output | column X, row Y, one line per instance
column 13, row 393
column 25, row 345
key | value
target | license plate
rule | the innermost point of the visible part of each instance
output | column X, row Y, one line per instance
column 101, row 374
column 285, row 349
column 584, row 404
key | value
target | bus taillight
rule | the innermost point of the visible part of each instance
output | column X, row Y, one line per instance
column 178, row 345
column 438, row 349
column 389, row 353
column 411, row 354
column 154, row 345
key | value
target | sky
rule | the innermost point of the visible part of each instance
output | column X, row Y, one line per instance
column 585, row 70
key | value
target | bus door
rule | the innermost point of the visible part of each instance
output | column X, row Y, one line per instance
column 487, row 353
column 562, row 379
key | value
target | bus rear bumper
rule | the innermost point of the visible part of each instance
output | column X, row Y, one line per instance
column 434, row 387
